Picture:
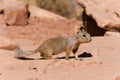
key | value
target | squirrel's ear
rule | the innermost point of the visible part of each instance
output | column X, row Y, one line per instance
column 83, row 29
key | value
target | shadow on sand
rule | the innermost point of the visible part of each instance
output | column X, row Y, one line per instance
column 83, row 55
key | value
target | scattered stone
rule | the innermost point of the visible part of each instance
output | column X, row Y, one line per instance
column 33, row 68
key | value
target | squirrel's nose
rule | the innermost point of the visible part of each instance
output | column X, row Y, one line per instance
column 90, row 39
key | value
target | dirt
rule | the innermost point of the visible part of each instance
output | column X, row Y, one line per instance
column 100, row 58
column 102, row 65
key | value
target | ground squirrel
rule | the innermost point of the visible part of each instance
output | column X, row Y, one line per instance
column 57, row 45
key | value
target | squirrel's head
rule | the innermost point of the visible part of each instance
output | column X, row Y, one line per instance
column 82, row 35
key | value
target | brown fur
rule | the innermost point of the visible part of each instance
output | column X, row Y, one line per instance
column 57, row 45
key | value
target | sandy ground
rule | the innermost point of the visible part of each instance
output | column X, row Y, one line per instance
column 101, row 58
column 103, row 65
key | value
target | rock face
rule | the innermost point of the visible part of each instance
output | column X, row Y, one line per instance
column 68, row 9
column 41, row 13
column 115, row 34
column 104, row 14
column 16, row 13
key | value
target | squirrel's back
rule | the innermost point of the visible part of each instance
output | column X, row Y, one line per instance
column 53, row 46
column 56, row 45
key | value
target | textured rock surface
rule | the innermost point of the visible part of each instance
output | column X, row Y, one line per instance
column 102, row 65
column 38, row 12
column 17, row 13
column 115, row 34
column 106, row 13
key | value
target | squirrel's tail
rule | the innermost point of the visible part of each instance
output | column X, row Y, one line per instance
column 19, row 53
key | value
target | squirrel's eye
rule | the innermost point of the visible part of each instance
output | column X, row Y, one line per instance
column 84, row 35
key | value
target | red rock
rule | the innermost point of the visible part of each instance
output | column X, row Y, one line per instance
column 41, row 13
column 103, row 13
column 15, row 12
